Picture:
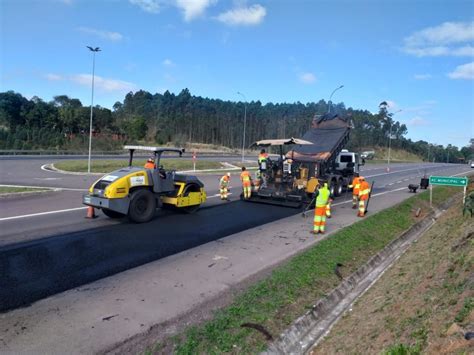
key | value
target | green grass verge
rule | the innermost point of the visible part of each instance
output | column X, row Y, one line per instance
column 280, row 298
column 9, row 189
column 106, row 166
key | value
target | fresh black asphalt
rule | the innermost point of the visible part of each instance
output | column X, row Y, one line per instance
column 34, row 270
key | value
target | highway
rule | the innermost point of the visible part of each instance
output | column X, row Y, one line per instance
column 47, row 246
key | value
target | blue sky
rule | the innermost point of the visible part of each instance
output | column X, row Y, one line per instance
column 416, row 55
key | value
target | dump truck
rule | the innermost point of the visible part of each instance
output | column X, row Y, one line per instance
column 318, row 156
column 137, row 192
column 326, row 159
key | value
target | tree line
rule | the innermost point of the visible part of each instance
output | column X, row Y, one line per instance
column 63, row 123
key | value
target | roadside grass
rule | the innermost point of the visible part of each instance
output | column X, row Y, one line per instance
column 423, row 303
column 276, row 301
column 106, row 166
column 396, row 155
column 10, row 190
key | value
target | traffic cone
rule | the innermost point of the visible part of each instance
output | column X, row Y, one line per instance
column 91, row 212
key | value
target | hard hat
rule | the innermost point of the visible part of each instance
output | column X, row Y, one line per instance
column 151, row 160
column 228, row 174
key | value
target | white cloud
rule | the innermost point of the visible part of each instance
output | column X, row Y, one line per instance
column 53, row 77
column 447, row 39
column 446, row 33
column 465, row 71
column 247, row 16
column 168, row 63
column 391, row 104
column 307, row 78
column 103, row 84
column 422, row 76
column 193, row 8
column 417, row 121
column 110, row 36
column 151, row 6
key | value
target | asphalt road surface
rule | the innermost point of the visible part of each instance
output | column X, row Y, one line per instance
column 47, row 246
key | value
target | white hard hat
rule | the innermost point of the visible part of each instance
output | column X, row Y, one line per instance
column 228, row 174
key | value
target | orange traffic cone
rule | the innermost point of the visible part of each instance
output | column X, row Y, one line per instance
column 91, row 212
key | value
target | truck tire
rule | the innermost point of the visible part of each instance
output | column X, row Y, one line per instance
column 333, row 187
column 112, row 214
column 339, row 188
column 142, row 206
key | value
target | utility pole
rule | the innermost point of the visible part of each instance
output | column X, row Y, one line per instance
column 390, row 115
column 94, row 51
column 330, row 97
column 245, row 122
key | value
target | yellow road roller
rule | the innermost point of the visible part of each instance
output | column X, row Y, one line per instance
column 137, row 192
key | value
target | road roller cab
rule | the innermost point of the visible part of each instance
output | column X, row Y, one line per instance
column 137, row 192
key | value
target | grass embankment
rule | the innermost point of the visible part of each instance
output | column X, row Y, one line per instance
column 106, row 166
column 396, row 156
column 276, row 301
column 11, row 190
column 423, row 304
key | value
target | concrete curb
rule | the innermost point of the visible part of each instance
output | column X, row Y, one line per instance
column 310, row 328
column 10, row 195
column 51, row 167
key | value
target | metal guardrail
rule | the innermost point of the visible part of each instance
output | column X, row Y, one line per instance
column 188, row 153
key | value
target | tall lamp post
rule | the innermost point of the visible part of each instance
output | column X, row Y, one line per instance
column 94, row 51
column 330, row 97
column 390, row 115
column 245, row 122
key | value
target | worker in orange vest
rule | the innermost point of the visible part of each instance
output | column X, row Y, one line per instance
column 246, row 183
column 224, row 186
column 355, row 190
column 262, row 160
column 364, row 191
column 150, row 163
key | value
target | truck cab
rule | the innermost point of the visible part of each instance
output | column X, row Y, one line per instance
column 348, row 161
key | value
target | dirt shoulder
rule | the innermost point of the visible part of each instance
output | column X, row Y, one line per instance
column 422, row 304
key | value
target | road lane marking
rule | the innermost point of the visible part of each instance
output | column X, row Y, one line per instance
column 81, row 208
column 41, row 213
column 46, row 187
column 402, row 171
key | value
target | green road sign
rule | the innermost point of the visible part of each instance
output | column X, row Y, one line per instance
column 449, row 181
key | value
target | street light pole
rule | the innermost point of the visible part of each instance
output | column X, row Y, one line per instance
column 390, row 139
column 245, row 122
column 330, row 97
column 94, row 51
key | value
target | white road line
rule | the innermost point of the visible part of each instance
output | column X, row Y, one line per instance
column 81, row 208
column 387, row 192
column 41, row 213
column 46, row 187
column 401, row 171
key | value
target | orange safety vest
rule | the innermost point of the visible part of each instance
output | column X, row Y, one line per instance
column 364, row 190
column 224, row 181
column 245, row 177
column 262, row 157
column 149, row 165
column 355, row 186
